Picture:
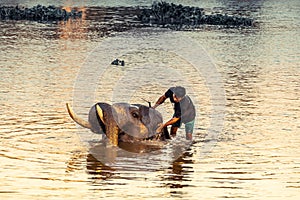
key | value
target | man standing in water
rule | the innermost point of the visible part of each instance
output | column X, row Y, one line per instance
column 184, row 111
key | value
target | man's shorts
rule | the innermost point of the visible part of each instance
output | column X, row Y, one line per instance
column 189, row 126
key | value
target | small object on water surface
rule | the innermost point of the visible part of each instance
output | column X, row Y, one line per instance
column 118, row 62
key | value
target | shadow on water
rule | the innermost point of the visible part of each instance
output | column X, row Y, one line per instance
column 178, row 175
column 97, row 169
column 174, row 177
column 132, row 161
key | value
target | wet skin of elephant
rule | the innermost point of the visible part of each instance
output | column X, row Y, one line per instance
column 122, row 122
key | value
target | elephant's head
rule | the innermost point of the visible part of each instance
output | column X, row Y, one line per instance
column 135, row 121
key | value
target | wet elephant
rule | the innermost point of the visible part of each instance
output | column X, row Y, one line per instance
column 122, row 121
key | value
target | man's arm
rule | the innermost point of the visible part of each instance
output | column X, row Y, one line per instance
column 160, row 101
column 170, row 122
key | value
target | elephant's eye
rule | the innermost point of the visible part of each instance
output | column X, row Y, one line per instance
column 135, row 114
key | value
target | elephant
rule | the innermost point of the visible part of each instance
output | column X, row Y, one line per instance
column 122, row 122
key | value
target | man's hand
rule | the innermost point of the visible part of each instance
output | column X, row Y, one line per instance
column 160, row 128
column 159, row 101
column 155, row 106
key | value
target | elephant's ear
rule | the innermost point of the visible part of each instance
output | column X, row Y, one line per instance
column 144, row 113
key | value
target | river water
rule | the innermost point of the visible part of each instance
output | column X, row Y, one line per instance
column 244, row 82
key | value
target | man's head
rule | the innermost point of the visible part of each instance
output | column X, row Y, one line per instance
column 179, row 93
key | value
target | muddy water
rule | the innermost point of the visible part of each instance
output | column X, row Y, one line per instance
column 256, row 154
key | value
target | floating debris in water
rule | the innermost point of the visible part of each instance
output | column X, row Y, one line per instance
column 38, row 13
column 118, row 62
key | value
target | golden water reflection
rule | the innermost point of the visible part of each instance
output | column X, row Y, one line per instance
column 256, row 156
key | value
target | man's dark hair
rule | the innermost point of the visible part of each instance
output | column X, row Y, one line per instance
column 179, row 91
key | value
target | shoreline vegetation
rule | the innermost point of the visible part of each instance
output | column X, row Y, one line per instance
column 159, row 14
column 179, row 16
column 37, row 13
